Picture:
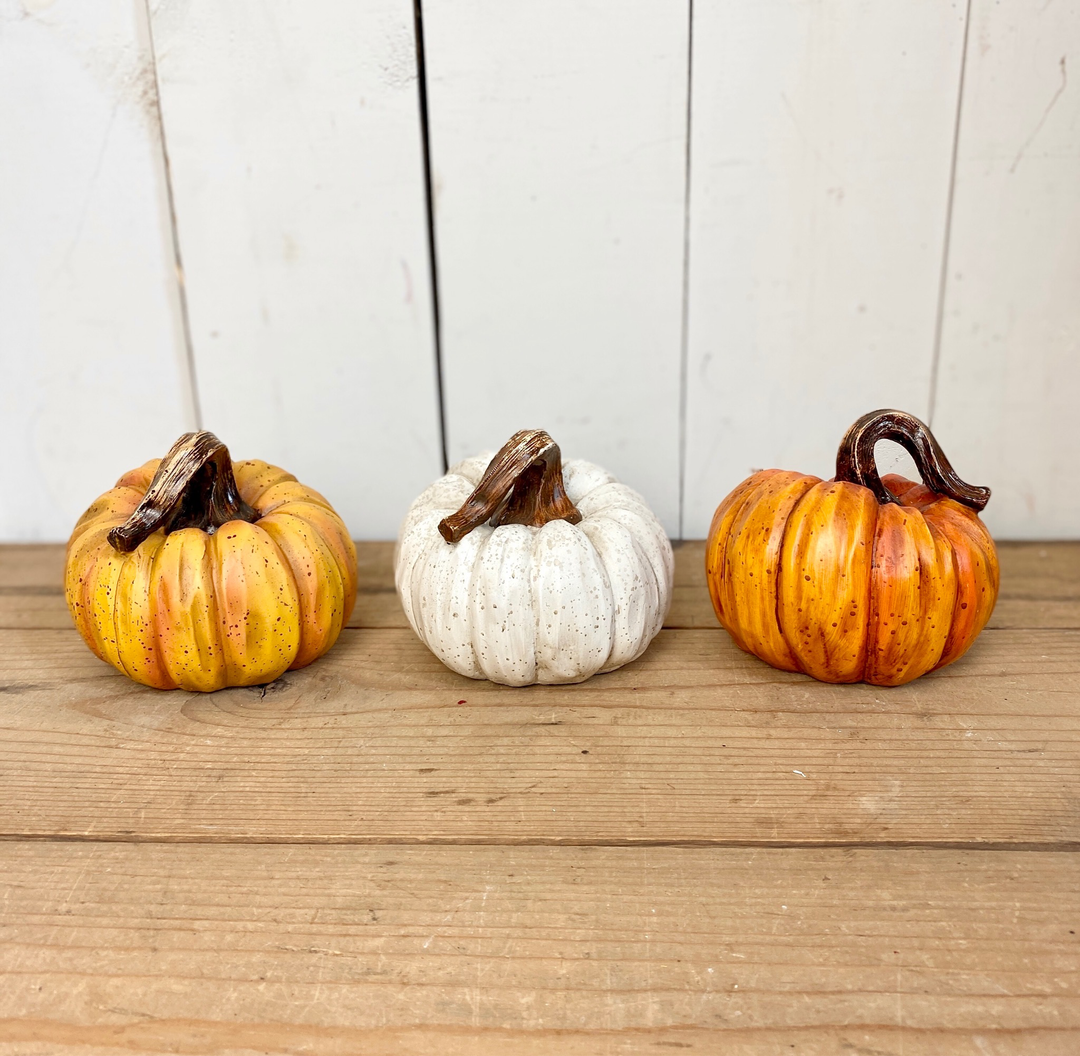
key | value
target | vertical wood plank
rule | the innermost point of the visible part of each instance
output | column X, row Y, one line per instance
column 821, row 148
column 294, row 141
column 1009, row 375
column 94, row 372
column 558, row 140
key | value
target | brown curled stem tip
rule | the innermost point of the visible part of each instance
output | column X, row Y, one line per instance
column 194, row 487
column 523, row 484
column 855, row 459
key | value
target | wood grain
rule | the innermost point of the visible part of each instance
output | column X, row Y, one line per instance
column 537, row 950
column 695, row 742
column 1040, row 587
column 213, row 874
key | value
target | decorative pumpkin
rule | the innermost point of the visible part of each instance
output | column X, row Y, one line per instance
column 859, row 578
column 508, row 572
column 199, row 574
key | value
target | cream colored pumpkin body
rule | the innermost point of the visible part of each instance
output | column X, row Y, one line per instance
column 521, row 605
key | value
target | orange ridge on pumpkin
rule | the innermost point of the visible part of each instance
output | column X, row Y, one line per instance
column 857, row 578
column 233, row 592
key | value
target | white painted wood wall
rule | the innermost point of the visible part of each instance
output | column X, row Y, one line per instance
column 689, row 237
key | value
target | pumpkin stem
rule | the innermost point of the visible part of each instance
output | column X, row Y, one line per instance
column 194, row 487
column 855, row 459
column 523, row 484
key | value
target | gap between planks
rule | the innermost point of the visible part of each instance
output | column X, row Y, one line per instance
column 555, row 842
column 520, row 945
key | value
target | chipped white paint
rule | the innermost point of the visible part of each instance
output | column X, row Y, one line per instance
column 296, row 157
column 94, row 375
column 558, row 136
column 521, row 605
column 1009, row 376
column 821, row 147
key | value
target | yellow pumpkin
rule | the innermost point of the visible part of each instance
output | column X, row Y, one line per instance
column 195, row 573
column 859, row 578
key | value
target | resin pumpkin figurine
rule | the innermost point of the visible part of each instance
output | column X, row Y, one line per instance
column 859, row 578
column 197, row 573
column 522, row 569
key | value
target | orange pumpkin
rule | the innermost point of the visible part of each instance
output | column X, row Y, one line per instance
column 197, row 573
column 859, row 578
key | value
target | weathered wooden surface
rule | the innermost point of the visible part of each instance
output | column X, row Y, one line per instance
column 376, row 855
column 696, row 742
column 537, row 950
column 1040, row 587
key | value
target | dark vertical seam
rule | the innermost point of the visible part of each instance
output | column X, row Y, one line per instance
column 178, row 263
column 939, row 323
column 684, row 349
column 429, row 200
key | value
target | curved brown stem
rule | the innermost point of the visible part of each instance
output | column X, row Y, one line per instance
column 194, row 487
column 523, row 484
column 855, row 459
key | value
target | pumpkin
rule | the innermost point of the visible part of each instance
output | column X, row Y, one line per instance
column 522, row 570
column 859, row 578
column 195, row 573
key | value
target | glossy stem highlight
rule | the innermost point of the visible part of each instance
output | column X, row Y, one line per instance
column 855, row 459
column 194, row 487
column 523, row 484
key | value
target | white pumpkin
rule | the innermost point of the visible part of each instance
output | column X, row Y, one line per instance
column 548, row 600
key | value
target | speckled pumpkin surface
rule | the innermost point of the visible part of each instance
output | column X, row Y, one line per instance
column 234, row 603
column 521, row 603
column 876, row 582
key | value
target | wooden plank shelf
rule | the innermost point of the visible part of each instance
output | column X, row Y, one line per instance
column 529, row 949
column 694, row 852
